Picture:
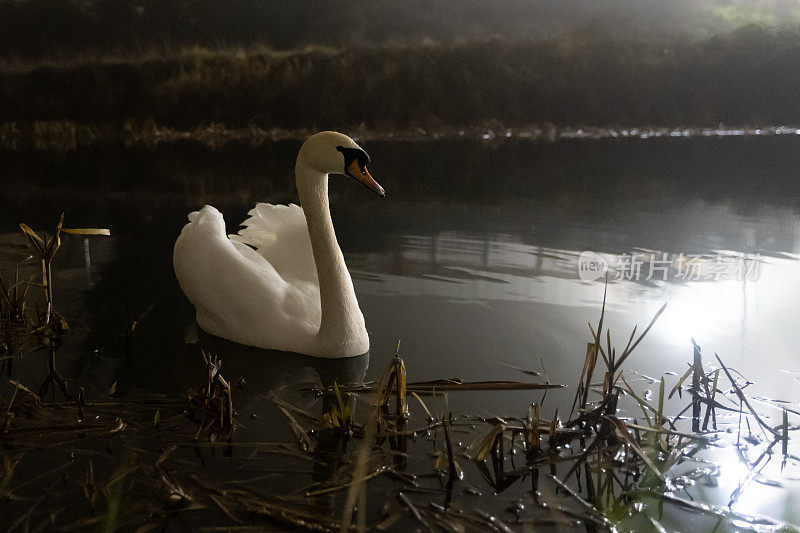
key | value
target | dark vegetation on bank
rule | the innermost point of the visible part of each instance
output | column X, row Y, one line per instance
column 747, row 77
column 58, row 29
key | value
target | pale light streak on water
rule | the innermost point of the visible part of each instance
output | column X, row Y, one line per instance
column 738, row 318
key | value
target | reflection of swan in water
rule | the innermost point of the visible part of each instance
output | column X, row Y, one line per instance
column 282, row 282
column 269, row 371
column 272, row 373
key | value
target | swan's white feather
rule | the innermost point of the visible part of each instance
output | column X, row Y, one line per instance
column 280, row 234
column 252, row 296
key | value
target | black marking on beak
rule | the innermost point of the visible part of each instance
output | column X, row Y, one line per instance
column 353, row 154
column 356, row 167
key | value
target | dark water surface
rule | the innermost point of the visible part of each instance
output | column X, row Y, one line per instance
column 470, row 262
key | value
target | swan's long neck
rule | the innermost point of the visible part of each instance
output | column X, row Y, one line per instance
column 341, row 316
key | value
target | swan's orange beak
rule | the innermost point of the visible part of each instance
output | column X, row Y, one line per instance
column 364, row 178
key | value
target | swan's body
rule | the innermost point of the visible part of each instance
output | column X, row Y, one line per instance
column 281, row 283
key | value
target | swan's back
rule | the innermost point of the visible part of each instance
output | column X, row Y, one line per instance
column 238, row 291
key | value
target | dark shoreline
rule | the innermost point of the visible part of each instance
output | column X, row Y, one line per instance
column 60, row 136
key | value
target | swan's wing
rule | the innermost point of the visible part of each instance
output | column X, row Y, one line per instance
column 280, row 234
column 238, row 294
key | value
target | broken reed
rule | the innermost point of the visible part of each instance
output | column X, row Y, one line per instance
column 213, row 402
column 45, row 330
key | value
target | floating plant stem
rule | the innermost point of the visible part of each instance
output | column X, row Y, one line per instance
column 744, row 400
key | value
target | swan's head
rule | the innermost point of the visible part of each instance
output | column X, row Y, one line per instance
column 329, row 152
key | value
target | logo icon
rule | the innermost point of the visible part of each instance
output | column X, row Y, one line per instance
column 591, row 266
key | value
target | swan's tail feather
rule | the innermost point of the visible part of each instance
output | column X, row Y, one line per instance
column 206, row 220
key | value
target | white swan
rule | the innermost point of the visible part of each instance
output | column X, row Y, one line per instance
column 282, row 282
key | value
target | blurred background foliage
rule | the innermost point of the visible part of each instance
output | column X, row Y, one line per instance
column 397, row 65
column 42, row 29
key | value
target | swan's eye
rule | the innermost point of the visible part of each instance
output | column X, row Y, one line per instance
column 354, row 155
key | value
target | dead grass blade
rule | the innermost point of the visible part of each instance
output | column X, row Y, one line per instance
column 519, row 369
column 622, row 432
column 480, row 449
column 632, row 347
column 414, row 511
column 585, row 381
column 298, row 430
column 87, row 231
column 425, row 407
column 458, row 385
column 34, row 239
column 677, row 387
column 743, row 398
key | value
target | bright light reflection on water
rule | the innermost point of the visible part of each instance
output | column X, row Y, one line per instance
column 736, row 318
